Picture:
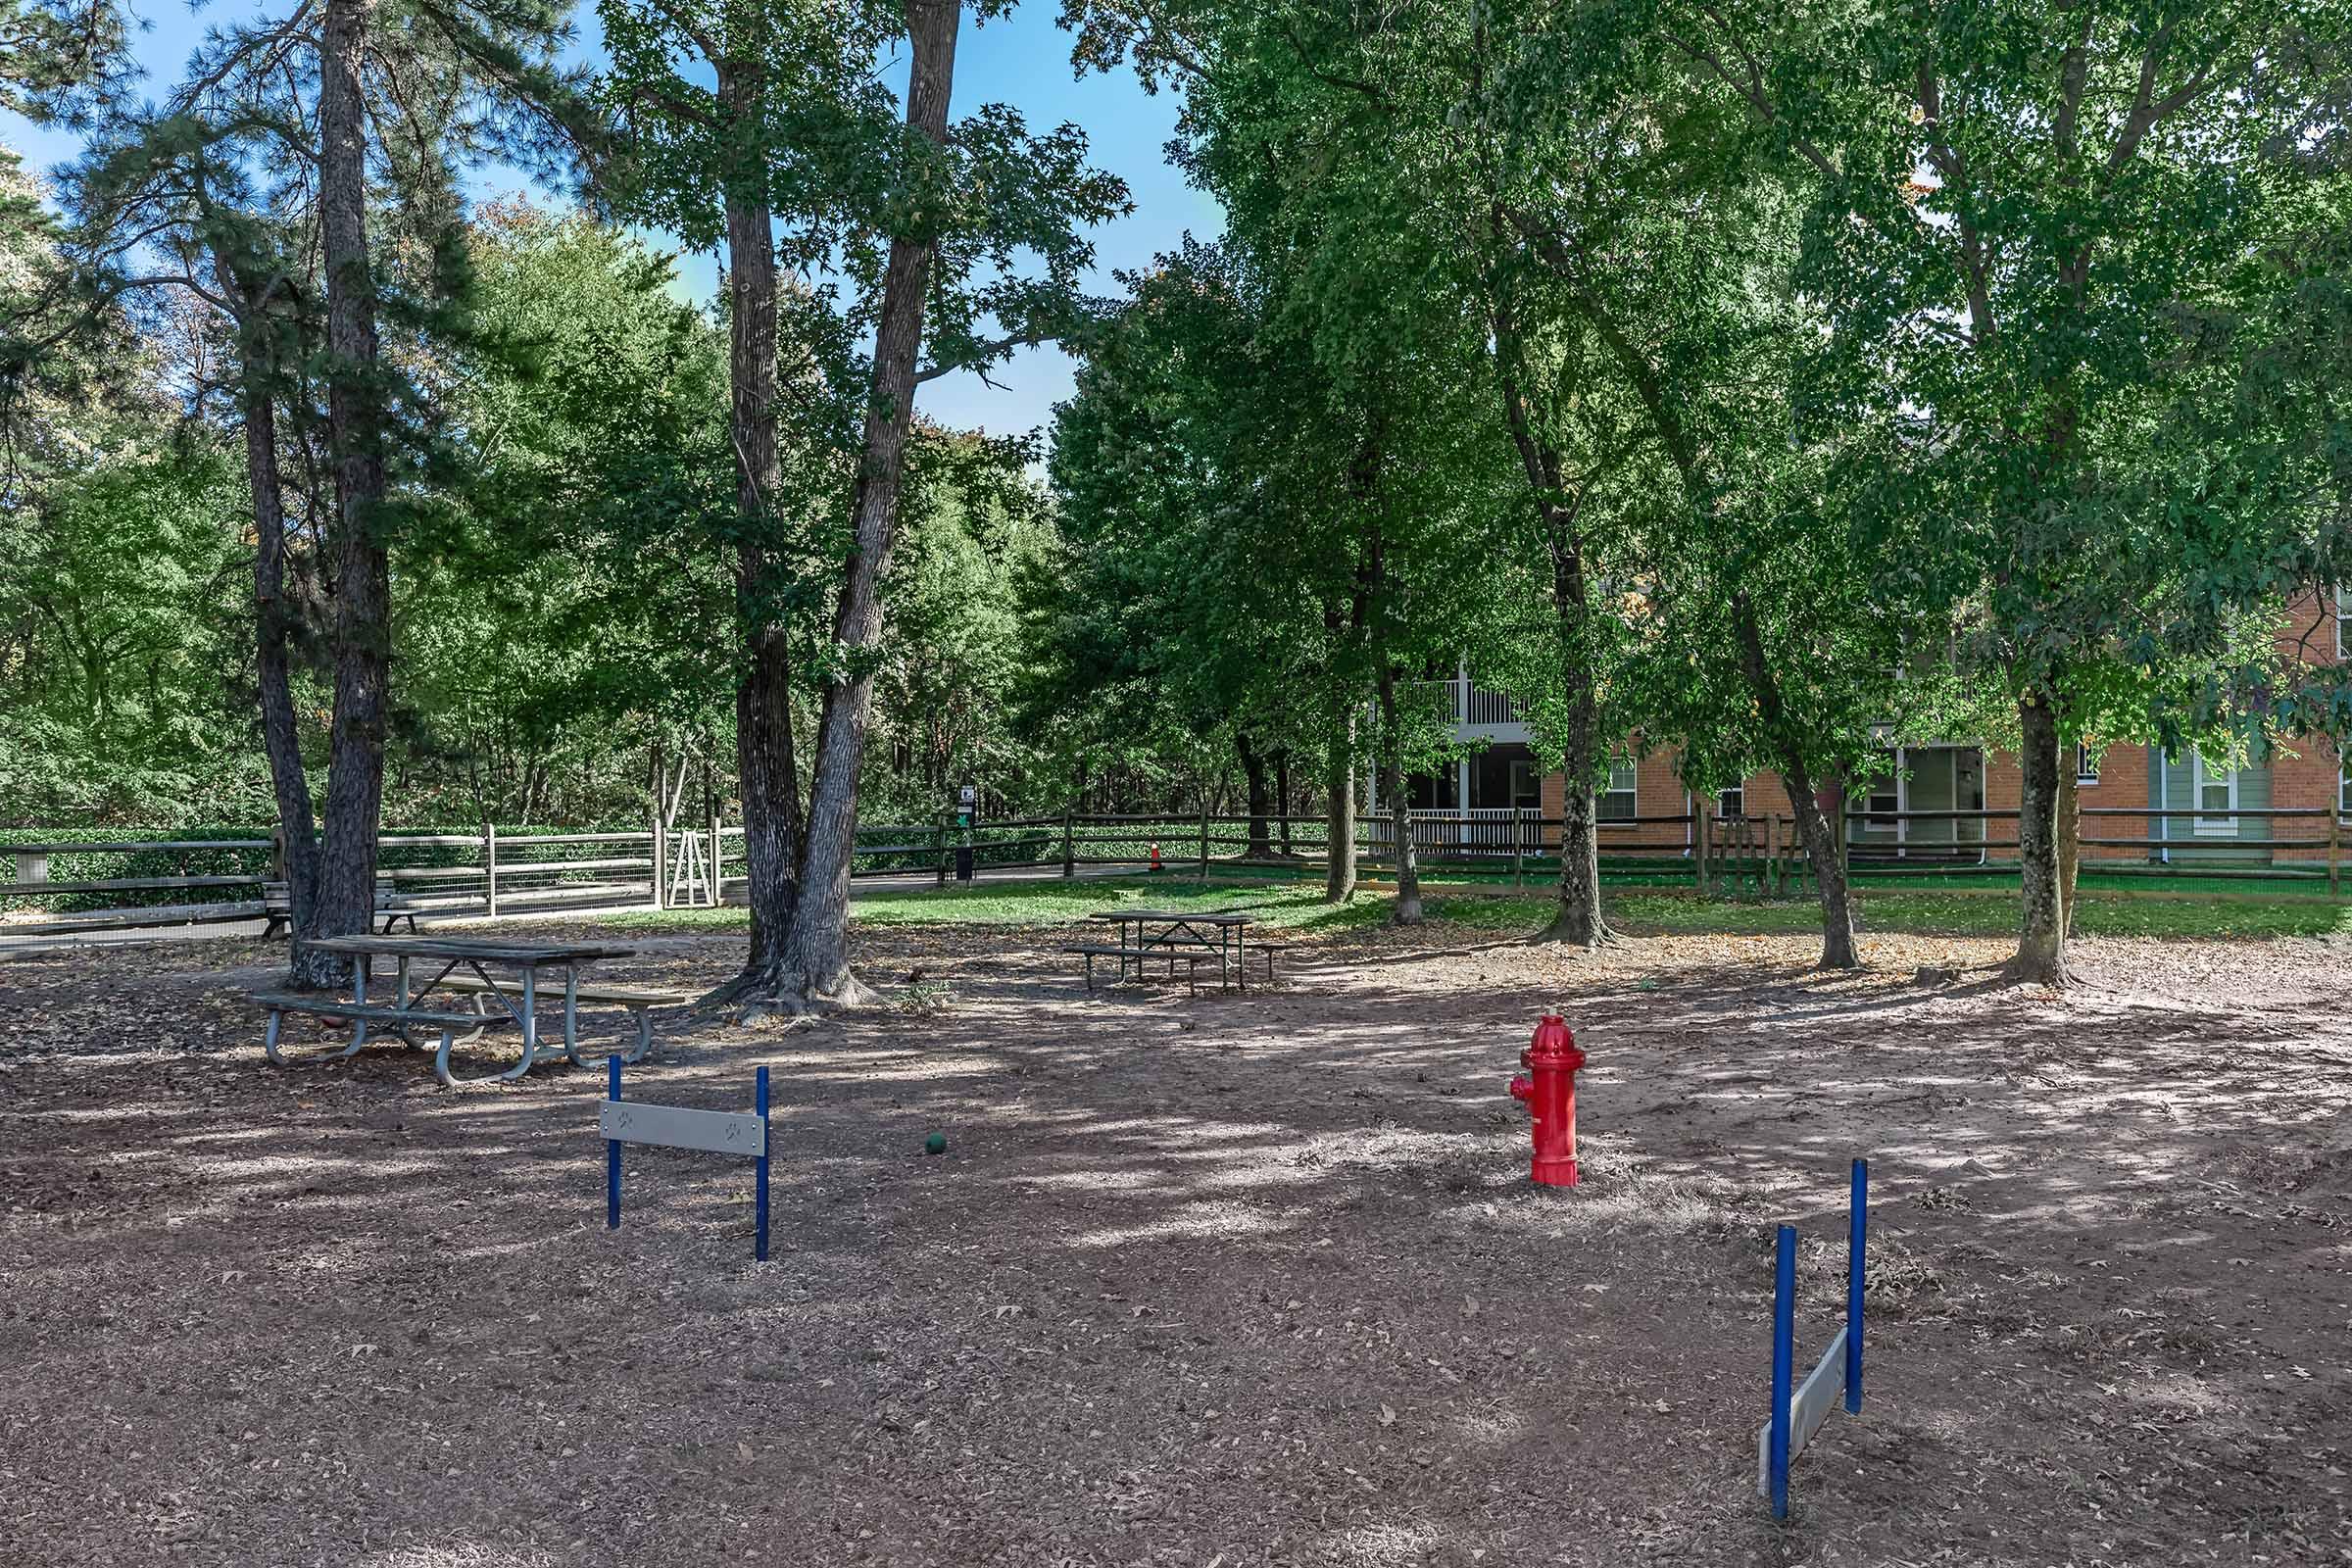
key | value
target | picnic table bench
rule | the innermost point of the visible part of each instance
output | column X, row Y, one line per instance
column 391, row 906
column 511, row 996
column 1176, row 936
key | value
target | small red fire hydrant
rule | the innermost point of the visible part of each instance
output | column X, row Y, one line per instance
column 1550, row 1096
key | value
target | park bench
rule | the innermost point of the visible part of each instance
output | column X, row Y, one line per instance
column 391, row 905
column 1190, row 959
column 638, row 999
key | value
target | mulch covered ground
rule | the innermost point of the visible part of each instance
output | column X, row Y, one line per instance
column 1241, row 1280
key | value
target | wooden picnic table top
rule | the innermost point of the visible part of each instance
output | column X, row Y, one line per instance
column 480, row 950
column 1147, row 916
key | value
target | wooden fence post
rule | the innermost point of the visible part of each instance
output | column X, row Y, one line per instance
column 661, row 857
column 1069, row 853
column 1772, row 856
column 1518, row 844
column 1205, row 841
column 490, row 868
column 2335, row 854
column 1699, row 846
column 939, row 846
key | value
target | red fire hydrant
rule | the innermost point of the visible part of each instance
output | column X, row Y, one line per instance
column 1550, row 1096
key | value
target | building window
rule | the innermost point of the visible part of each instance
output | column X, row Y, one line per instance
column 1731, row 801
column 2216, row 791
column 2343, row 785
column 2343, row 623
column 1882, row 803
column 1617, row 802
column 2087, row 765
column 1527, row 789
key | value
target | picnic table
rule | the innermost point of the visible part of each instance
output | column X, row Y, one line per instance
column 1145, row 934
column 504, row 981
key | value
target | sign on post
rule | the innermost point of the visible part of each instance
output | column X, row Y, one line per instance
column 713, row 1132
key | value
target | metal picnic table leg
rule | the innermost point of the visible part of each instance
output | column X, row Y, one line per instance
column 571, row 1014
column 359, row 999
column 530, row 1022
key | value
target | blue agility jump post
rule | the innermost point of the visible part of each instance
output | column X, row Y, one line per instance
column 716, row 1132
column 1784, row 1367
column 1797, row 1413
column 1857, row 1220
column 613, row 1149
column 759, row 1236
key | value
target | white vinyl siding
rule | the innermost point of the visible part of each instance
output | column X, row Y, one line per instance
column 1618, row 802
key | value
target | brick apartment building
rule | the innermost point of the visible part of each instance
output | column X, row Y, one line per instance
column 1484, row 787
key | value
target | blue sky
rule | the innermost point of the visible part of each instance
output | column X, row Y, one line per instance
column 1023, row 60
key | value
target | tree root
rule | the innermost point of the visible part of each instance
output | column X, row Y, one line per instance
column 1565, row 931
column 768, row 991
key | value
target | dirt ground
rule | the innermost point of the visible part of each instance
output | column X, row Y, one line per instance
column 1235, row 1281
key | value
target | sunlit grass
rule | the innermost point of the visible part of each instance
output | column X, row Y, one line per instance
column 1301, row 908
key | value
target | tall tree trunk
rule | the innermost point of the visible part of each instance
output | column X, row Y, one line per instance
column 1578, row 919
column 1558, row 509
column 1837, row 948
column 1282, row 795
column 2041, row 921
column 273, row 622
column 1339, row 858
column 1254, row 769
column 1400, row 814
column 763, row 739
column 355, row 404
column 817, row 950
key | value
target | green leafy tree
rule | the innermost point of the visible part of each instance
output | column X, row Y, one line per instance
column 2026, row 218
column 963, row 240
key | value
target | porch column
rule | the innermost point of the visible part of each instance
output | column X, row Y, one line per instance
column 1461, row 775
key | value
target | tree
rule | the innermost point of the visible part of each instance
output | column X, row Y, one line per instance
column 912, row 226
column 227, row 194
column 2025, row 216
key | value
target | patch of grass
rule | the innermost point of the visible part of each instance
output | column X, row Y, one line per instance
column 1300, row 907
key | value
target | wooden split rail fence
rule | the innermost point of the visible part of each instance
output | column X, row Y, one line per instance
column 115, row 885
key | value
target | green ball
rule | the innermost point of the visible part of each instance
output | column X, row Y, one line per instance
column 936, row 1144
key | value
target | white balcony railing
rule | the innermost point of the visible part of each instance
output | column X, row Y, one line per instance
column 1466, row 702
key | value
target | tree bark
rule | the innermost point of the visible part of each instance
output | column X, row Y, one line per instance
column 1254, row 770
column 764, row 738
column 1400, row 816
column 816, row 959
column 2041, row 923
column 1578, row 919
column 355, row 422
column 1838, row 950
column 273, row 623
column 1282, row 795
column 1838, row 947
column 1339, row 859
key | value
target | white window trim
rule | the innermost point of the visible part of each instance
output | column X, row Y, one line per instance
column 2343, row 623
column 2212, row 827
column 1632, row 792
column 1739, row 794
column 2086, row 771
